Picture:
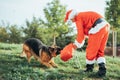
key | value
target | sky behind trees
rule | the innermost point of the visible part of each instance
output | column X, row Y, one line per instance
column 17, row 11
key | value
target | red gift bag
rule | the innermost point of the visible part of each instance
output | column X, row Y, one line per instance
column 67, row 52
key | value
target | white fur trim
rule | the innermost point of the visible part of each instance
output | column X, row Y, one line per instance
column 98, row 27
column 101, row 60
column 72, row 14
column 79, row 45
column 90, row 61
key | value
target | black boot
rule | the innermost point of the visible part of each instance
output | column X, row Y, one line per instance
column 89, row 68
column 102, row 70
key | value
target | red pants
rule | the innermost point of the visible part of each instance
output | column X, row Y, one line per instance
column 96, row 44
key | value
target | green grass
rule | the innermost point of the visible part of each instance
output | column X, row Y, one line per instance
column 12, row 67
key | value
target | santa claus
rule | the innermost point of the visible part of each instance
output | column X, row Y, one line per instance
column 94, row 26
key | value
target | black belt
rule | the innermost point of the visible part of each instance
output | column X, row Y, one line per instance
column 98, row 21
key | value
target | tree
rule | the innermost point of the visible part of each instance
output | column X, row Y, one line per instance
column 4, row 36
column 15, row 34
column 112, row 15
column 54, row 22
column 31, row 28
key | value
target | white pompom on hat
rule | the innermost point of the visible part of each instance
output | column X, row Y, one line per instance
column 70, row 15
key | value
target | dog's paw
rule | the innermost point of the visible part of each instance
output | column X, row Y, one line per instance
column 55, row 66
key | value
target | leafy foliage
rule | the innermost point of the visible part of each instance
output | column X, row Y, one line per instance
column 11, row 34
column 54, row 22
column 112, row 13
column 4, row 36
column 31, row 28
column 15, row 34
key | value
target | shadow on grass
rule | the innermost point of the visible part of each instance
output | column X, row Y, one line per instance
column 9, row 62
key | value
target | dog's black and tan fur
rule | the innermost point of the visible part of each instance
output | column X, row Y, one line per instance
column 41, row 52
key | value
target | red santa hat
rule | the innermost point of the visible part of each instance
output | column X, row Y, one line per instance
column 70, row 15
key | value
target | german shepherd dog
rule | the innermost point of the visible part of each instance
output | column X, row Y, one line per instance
column 41, row 52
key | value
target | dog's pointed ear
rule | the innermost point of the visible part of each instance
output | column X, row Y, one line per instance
column 51, row 49
column 58, row 50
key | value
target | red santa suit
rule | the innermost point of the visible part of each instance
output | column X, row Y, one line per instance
column 93, row 25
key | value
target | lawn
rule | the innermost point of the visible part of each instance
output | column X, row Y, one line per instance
column 13, row 67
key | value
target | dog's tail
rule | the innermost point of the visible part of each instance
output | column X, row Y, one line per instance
column 22, row 53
